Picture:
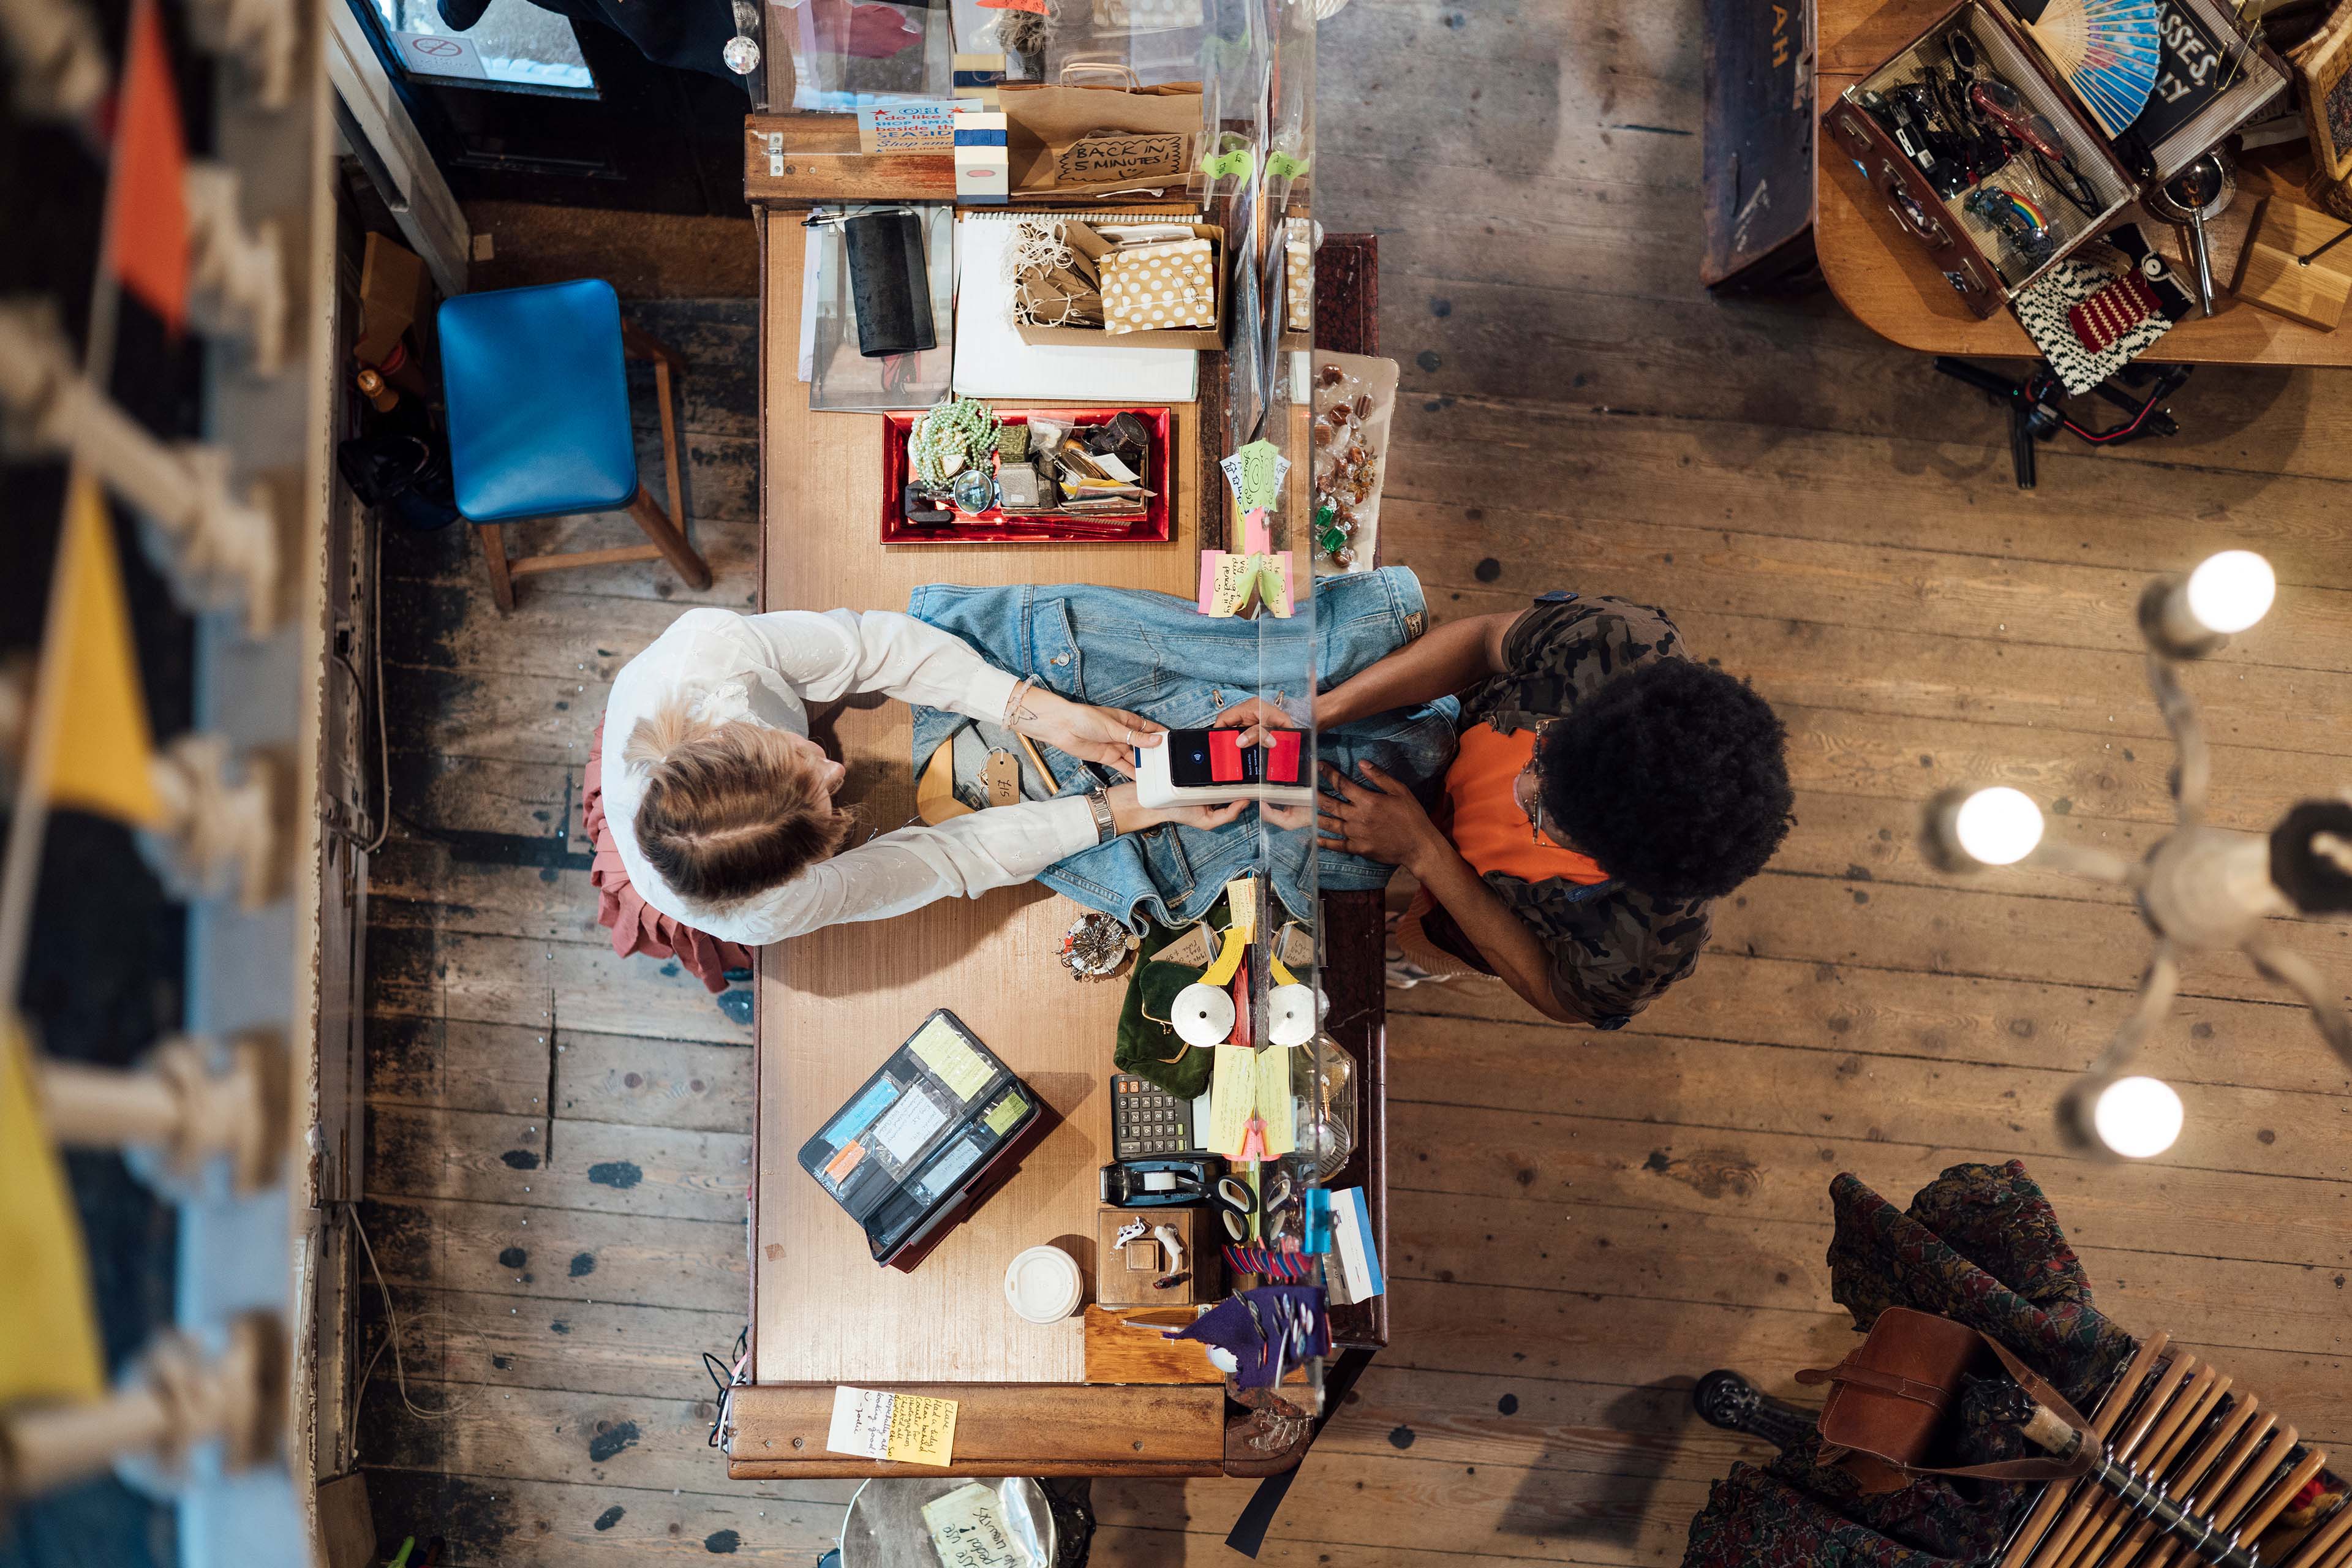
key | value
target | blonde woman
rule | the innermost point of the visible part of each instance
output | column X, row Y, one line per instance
column 723, row 810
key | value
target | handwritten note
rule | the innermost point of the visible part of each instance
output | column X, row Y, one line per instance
column 949, row 1055
column 1240, row 904
column 875, row 1423
column 968, row 1531
column 1233, row 1097
column 1094, row 159
column 1005, row 1112
column 1234, row 583
column 1246, row 1083
column 1236, row 469
column 1263, row 467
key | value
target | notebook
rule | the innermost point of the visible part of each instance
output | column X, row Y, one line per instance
column 991, row 360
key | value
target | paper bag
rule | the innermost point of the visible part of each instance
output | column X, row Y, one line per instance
column 1042, row 123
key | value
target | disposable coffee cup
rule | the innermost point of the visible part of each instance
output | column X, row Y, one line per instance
column 1043, row 1285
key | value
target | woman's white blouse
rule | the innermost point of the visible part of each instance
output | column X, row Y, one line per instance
column 769, row 668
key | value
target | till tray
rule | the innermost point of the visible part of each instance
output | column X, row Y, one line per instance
column 1157, row 525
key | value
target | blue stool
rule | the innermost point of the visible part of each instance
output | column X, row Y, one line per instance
column 539, row 422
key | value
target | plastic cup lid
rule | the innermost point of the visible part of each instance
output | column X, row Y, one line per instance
column 1044, row 1284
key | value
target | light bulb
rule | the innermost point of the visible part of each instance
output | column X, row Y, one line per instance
column 2231, row 591
column 1998, row 826
column 2137, row 1117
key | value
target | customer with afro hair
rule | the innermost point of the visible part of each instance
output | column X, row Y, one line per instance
column 1607, row 787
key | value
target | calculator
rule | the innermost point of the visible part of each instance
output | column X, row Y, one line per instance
column 1146, row 1120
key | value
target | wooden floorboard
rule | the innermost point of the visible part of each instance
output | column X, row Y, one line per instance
column 1580, row 1224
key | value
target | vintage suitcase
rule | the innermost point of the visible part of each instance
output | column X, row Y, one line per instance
column 1993, row 231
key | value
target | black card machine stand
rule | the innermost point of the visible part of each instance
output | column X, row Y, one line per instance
column 938, row 1127
column 889, row 282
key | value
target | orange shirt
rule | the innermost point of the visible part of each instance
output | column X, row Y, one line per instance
column 1489, row 827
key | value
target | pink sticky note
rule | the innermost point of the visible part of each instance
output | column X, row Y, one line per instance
column 1209, row 559
column 1257, row 539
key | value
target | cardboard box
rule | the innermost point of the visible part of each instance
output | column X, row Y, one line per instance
column 1167, row 338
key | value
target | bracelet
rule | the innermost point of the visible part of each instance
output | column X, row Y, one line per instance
column 1106, row 825
column 1012, row 703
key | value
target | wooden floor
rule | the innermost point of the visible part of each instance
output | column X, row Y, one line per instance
column 1580, row 1222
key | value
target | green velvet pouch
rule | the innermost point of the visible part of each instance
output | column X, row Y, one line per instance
column 1145, row 1042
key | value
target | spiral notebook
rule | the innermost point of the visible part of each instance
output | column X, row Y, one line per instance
column 991, row 360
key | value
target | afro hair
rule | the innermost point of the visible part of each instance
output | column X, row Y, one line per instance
column 1672, row 777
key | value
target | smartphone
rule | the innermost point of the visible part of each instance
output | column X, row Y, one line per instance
column 1208, row 767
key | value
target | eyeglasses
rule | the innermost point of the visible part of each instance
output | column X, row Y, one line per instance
column 1535, row 766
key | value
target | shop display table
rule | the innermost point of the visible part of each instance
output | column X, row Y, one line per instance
column 1886, row 279
column 835, row 1004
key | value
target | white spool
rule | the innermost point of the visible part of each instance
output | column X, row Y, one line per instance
column 1291, row 1014
column 1203, row 1015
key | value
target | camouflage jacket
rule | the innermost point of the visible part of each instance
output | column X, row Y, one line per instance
column 1613, row 950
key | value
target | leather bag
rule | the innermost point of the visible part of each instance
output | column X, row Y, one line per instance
column 1889, row 1398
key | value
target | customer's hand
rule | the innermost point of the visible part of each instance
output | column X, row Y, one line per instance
column 1379, row 820
column 1129, row 814
column 1260, row 716
column 1105, row 735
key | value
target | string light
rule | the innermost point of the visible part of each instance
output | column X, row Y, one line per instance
column 2231, row 591
column 1998, row 826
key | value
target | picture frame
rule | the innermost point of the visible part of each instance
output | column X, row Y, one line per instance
column 2323, row 71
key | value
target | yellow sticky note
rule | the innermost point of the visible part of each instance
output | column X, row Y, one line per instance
column 949, row 1055
column 1229, row 960
column 1230, row 587
column 922, row 1429
column 1232, row 1097
column 1273, row 1101
column 1240, row 898
column 1005, row 1112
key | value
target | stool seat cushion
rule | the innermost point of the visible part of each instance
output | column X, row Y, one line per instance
column 539, row 401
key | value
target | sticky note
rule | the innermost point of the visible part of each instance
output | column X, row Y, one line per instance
column 1240, row 898
column 1275, row 1102
column 949, row 1055
column 1233, row 1097
column 1005, row 1112
column 1263, row 465
column 968, row 1530
column 875, row 1423
column 1227, row 582
column 1257, row 538
column 922, row 1429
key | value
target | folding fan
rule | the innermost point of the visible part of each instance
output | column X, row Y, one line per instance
column 2107, row 52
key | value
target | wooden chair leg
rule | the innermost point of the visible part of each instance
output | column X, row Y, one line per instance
column 494, row 556
column 640, row 345
column 668, row 539
column 669, row 443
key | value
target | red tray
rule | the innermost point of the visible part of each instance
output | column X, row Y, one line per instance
column 1157, row 526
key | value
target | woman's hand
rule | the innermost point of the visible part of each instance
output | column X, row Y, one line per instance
column 1260, row 716
column 1130, row 816
column 1105, row 735
column 1379, row 821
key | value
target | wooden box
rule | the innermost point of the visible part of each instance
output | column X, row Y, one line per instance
column 1124, row 1275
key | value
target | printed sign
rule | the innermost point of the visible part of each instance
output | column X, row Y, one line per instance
column 906, row 127
column 438, row 54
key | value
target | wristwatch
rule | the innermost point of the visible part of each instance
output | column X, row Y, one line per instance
column 1106, row 825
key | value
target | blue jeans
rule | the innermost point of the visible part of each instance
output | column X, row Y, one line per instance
column 1159, row 656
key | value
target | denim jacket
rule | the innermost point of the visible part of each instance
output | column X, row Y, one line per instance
column 1158, row 656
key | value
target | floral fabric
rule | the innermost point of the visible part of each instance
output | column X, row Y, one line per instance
column 1979, row 1244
